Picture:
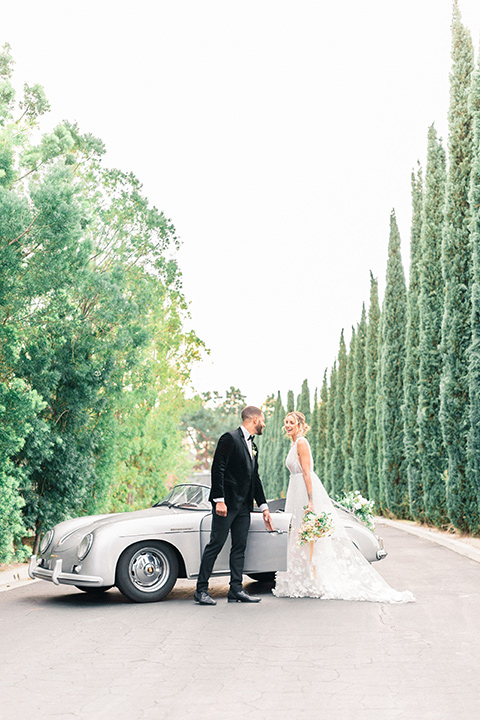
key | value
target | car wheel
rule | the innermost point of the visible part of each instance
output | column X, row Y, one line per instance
column 263, row 576
column 147, row 571
column 94, row 590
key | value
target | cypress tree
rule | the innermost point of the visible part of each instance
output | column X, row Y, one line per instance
column 347, row 444
column 330, row 431
column 412, row 355
column 273, row 448
column 314, row 433
column 456, row 263
column 474, row 354
column 392, row 373
column 358, row 408
column 290, row 401
column 280, row 451
column 371, row 371
column 379, row 399
column 303, row 402
column 321, row 465
column 430, row 493
column 337, row 458
column 265, row 445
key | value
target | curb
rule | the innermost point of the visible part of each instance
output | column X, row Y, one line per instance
column 14, row 577
column 462, row 547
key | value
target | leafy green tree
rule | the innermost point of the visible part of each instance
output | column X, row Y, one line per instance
column 20, row 404
column 209, row 416
column 97, row 319
column 456, row 262
column 372, row 372
column 428, row 497
column 358, row 407
column 391, row 379
column 412, row 354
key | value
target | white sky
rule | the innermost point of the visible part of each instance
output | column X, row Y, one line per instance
column 276, row 134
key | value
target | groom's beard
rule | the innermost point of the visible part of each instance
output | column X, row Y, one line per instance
column 258, row 429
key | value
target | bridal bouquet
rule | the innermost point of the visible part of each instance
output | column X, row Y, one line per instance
column 359, row 506
column 314, row 526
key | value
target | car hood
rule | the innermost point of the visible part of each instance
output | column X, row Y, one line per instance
column 70, row 532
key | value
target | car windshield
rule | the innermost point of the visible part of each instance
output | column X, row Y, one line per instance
column 187, row 497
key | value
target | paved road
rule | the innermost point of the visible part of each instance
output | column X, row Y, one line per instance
column 66, row 656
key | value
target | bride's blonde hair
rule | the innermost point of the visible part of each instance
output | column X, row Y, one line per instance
column 303, row 427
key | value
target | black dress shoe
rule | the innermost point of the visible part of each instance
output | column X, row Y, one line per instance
column 242, row 596
column 203, row 598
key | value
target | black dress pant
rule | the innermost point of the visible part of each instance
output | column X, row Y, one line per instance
column 237, row 523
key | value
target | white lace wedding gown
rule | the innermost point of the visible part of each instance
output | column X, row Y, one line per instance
column 336, row 570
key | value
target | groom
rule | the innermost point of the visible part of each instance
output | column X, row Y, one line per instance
column 235, row 484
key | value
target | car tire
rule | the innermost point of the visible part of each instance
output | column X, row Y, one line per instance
column 263, row 576
column 147, row 571
column 94, row 590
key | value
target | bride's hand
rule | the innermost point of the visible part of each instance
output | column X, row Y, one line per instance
column 310, row 506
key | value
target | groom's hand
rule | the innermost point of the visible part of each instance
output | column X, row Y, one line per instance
column 221, row 509
column 267, row 520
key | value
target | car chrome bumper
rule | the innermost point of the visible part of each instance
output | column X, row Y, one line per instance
column 58, row 577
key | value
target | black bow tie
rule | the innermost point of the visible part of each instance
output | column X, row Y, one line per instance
column 250, row 437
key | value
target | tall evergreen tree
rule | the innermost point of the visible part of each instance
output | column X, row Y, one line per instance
column 456, row 263
column 392, row 373
column 315, row 416
column 474, row 355
column 321, row 465
column 330, row 431
column 412, row 354
column 273, row 448
column 337, row 457
column 428, row 497
column 303, row 403
column 371, row 371
column 358, row 408
column 290, row 401
column 347, row 442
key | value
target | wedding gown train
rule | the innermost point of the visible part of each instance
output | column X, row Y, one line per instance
column 335, row 569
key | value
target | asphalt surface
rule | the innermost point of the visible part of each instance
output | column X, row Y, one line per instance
column 67, row 656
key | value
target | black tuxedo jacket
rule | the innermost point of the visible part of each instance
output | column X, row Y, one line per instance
column 234, row 472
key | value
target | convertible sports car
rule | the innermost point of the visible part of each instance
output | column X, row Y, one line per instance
column 143, row 553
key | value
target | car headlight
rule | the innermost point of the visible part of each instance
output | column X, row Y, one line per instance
column 84, row 546
column 46, row 541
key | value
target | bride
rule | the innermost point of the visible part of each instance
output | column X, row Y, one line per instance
column 333, row 569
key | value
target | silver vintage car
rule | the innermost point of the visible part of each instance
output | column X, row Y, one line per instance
column 143, row 553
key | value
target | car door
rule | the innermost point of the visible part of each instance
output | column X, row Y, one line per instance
column 265, row 552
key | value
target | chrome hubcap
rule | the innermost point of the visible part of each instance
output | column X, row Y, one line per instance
column 149, row 569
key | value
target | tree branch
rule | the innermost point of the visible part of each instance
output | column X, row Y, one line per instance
column 25, row 232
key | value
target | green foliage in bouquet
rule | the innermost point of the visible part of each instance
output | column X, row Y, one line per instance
column 359, row 506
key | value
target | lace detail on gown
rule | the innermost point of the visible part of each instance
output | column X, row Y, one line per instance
column 336, row 570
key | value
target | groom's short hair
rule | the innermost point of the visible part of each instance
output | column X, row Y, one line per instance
column 250, row 412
